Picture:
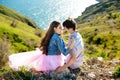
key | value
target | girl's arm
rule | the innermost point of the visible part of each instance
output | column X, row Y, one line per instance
column 62, row 47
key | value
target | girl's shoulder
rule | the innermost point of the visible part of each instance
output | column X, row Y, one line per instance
column 55, row 37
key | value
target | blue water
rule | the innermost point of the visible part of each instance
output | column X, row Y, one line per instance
column 45, row 11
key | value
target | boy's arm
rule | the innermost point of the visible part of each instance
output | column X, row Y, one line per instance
column 69, row 63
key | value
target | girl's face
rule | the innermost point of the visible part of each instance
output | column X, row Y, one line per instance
column 58, row 29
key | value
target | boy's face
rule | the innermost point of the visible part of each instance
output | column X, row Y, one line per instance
column 68, row 30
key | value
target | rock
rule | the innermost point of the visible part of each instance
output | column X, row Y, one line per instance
column 100, row 58
column 94, row 61
column 91, row 75
column 117, row 62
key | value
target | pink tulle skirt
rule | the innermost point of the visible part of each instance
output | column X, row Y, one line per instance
column 37, row 60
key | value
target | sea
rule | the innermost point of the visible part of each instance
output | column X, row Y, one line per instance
column 43, row 12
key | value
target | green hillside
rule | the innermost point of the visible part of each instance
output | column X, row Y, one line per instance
column 100, row 28
column 16, row 34
column 11, row 13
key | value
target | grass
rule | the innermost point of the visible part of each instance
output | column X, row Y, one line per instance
column 21, row 38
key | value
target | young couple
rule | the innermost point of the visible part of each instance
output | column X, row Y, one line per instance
column 53, row 54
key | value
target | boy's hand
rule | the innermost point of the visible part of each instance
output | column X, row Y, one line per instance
column 60, row 69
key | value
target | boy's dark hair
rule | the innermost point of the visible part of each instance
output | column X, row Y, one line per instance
column 69, row 23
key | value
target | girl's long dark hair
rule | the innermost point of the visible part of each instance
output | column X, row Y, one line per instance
column 45, row 41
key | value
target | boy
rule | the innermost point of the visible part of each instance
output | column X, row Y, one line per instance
column 75, row 59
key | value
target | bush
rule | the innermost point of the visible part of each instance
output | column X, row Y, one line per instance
column 117, row 72
column 4, row 50
column 38, row 33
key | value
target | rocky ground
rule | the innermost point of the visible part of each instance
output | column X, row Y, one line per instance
column 93, row 69
column 97, row 69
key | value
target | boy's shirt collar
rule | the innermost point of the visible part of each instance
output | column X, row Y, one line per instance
column 74, row 32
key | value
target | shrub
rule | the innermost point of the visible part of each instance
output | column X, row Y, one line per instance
column 117, row 72
column 38, row 33
column 14, row 23
column 98, row 41
column 4, row 50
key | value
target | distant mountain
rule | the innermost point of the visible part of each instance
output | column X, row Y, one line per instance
column 11, row 13
column 105, row 0
column 103, row 7
column 99, row 0
column 99, row 26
